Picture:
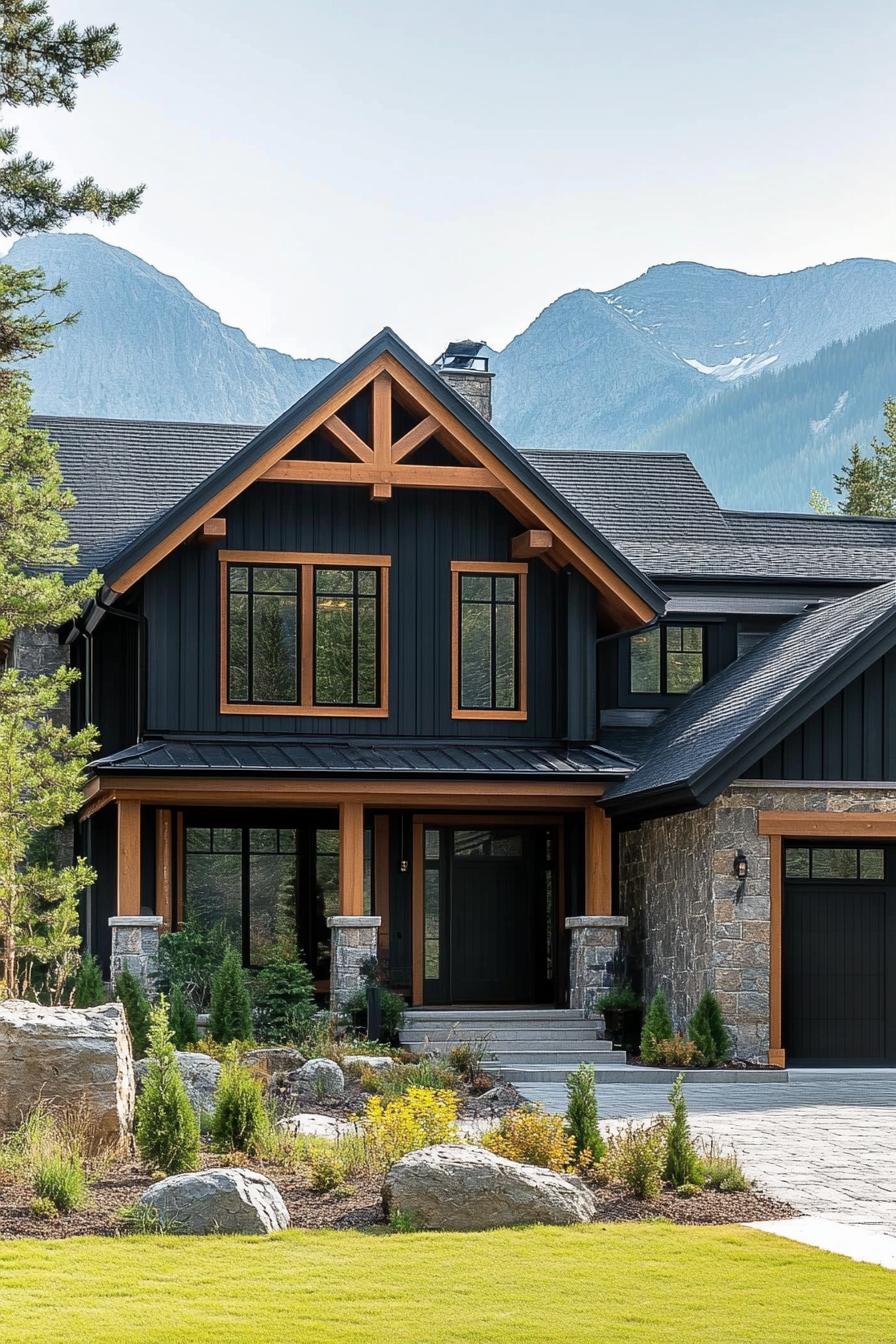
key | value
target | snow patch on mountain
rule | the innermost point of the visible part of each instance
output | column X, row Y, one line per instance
column 739, row 366
column 819, row 426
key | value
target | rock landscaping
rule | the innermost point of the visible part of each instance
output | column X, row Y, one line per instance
column 318, row 1078
column 222, row 1199
column 200, row 1075
column 67, row 1056
column 463, row 1188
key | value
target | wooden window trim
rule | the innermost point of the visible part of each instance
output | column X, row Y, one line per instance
column 306, row 561
column 490, row 568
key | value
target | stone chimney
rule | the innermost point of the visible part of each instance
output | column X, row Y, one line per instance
column 465, row 369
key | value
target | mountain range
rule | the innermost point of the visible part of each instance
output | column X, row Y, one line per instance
column 764, row 381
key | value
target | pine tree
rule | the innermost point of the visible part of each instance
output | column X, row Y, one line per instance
column 682, row 1163
column 284, row 1000
column 230, row 1014
column 165, row 1125
column 184, row 1028
column 581, row 1113
column 240, row 1122
column 859, row 485
column 708, row 1031
column 132, row 996
column 657, row 1027
column 41, row 763
column 89, row 991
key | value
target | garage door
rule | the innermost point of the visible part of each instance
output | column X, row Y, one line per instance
column 839, row 953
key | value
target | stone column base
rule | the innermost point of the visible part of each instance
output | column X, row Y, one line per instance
column 594, row 941
column 353, row 940
column 135, row 948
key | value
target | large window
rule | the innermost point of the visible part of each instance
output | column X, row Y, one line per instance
column 304, row 634
column 488, row 640
column 666, row 660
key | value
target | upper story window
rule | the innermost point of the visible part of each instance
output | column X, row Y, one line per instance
column 488, row 646
column 667, row 660
column 304, row 634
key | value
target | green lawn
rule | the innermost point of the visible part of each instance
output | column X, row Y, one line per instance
column 647, row 1282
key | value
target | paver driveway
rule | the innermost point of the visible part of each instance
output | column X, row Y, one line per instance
column 824, row 1143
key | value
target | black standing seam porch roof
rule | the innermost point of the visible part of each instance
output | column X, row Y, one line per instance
column 248, row 756
column 387, row 342
column 721, row 729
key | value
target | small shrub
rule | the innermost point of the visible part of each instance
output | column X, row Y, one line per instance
column 392, row 1010
column 722, row 1171
column 657, row 1027
column 320, row 1040
column 190, row 957
column 688, row 1190
column 165, row 1126
column 230, row 1015
column 233, row 1050
column 401, row 1222
column 182, row 1018
column 636, row 1157
column 62, row 1181
column 708, row 1032
column 682, row 1166
column 415, row 1120
column 284, row 1000
column 89, row 990
column 136, row 1008
column 42, row 1207
column 530, row 1135
column 240, row 1122
column 325, row 1170
column 48, row 1132
column 676, row 1052
column 581, row 1114
column 465, row 1058
column 430, row 1073
column 620, row 999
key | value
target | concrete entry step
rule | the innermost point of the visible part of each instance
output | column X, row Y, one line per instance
column 420, row 1016
column 604, row 1073
column 638, row 1075
column 510, row 1058
column 502, row 1034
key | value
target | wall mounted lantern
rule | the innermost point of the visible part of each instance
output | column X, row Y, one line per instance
column 741, row 871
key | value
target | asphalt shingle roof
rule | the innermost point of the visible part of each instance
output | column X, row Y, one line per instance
column 370, row 758
column 655, row 507
column 722, row 728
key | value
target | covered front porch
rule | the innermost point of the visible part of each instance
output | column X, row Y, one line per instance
column 460, row 890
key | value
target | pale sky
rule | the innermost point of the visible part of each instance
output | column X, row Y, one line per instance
column 316, row 171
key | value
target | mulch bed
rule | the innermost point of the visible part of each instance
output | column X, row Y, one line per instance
column 360, row 1207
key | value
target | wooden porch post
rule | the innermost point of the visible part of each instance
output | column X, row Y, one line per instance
column 351, row 858
column 128, row 872
column 164, row 883
column 598, row 862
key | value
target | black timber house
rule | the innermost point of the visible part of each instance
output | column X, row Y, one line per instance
column 371, row 667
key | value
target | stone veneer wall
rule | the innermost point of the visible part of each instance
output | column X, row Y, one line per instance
column 677, row 887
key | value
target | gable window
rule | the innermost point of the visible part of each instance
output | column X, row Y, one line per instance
column 304, row 634
column 666, row 660
column 488, row 613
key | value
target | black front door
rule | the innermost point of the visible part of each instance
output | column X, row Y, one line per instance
column 495, row 914
column 839, row 954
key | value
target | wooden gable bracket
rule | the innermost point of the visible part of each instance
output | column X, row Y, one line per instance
column 532, row 545
column 383, row 466
column 213, row 529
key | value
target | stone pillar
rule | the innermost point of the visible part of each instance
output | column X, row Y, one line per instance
column 135, row 948
column 353, row 941
column 594, row 941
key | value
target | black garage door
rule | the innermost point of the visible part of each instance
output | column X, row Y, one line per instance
column 839, row 954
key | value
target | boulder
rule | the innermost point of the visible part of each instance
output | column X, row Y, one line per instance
column 378, row 1062
column 271, row 1060
column 319, row 1077
column 317, row 1126
column 222, row 1199
column 200, row 1074
column 452, row 1188
column 67, row 1057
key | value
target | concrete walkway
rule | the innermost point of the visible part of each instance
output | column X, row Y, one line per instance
column 825, row 1143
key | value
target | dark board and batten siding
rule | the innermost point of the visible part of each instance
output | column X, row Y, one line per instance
column 423, row 531
column 852, row 737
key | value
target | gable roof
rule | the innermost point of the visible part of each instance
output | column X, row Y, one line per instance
column 725, row 726
column 271, row 443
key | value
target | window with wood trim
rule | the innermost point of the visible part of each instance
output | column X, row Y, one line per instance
column 304, row 634
column 488, row 646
